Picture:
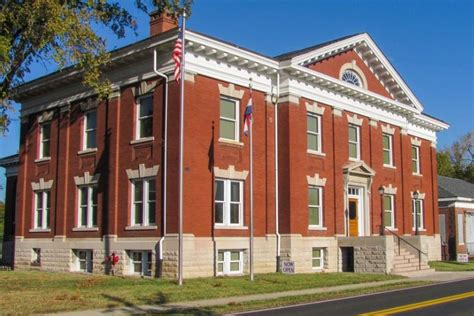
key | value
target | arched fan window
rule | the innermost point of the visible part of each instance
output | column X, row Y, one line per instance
column 352, row 77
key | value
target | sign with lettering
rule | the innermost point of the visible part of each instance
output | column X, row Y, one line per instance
column 288, row 267
column 463, row 257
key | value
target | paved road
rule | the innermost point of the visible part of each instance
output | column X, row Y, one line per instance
column 390, row 300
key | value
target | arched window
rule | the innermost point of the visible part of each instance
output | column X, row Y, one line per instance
column 352, row 77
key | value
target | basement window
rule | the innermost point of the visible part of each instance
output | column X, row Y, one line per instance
column 83, row 260
column 318, row 258
column 140, row 262
column 36, row 257
column 229, row 262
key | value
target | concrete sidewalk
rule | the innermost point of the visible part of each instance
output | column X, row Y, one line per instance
column 200, row 305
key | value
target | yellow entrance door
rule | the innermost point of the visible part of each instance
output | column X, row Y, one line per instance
column 353, row 217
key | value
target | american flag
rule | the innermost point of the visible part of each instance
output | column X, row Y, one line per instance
column 177, row 53
column 248, row 116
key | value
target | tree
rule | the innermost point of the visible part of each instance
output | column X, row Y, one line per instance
column 62, row 31
column 458, row 160
column 445, row 166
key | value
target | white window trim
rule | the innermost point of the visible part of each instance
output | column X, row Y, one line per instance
column 227, row 262
column 90, row 206
column 85, row 131
column 138, row 118
column 318, row 150
column 460, row 228
column 44, row 215
column 89, row 262
column 392, row 211
column 357, row 158
column 226, row 208
column 320, row 206
column 422, row 215
column 145, row 203
column 42, row 141
column 321, row 266
column 237, row 119
column 144, row 262
column 418, row 171
column 389, row 150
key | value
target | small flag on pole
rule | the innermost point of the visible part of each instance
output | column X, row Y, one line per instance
column 177, row 53
column 248, row 116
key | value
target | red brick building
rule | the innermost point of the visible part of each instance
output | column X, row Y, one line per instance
column 456, row 217
column 333, row 125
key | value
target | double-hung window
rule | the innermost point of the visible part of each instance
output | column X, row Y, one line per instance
column 229, row 262
column 228, row 203
column 388, row 211
column 229, row 119
column 143, row 202
column 318, row 258
column 415, row 159
column 45, row 141
column 83, row 260
column 354, row 142
column 387, row 142
column 315, row 206
column 141, row 262
column 144, row 117
column 42, row 209
column 87, row 217
column 417, row 214
column 90, row 128
column 313, row 123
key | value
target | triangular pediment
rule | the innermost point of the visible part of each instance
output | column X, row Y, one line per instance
column 359, row 168
column 372, row 57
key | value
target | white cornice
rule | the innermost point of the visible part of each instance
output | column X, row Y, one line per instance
column 327, row 82
column 200, row 43
column 305, row 80
column 372, row 56
column 70, row 74
column 218, row 60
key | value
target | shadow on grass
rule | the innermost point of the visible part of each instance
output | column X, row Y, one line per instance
column 120, row 302
column 133, row 309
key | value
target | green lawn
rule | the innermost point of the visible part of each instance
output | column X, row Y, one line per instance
column 451, row 266
column 43, row 292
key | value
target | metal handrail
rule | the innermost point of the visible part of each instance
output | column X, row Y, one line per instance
column 409, row 244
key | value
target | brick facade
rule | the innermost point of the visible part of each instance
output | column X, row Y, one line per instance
column 205, row 152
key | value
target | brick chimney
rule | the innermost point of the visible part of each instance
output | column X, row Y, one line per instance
column 160, row 23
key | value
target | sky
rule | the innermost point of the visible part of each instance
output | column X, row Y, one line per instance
column 429, row 42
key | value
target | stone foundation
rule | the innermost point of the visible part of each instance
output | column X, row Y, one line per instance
column 371, row 254
column 299, row 249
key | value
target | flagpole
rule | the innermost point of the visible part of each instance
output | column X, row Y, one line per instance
column 181, row 154
column 251, row 186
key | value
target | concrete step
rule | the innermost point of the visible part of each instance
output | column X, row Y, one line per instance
column 405, row 264
column 405, row 259
column 411, row 266
column 402, row 254
column 415, row 260
column 408, row 272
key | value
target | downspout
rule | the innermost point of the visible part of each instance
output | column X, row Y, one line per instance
column 277, row 224
column 165, row 167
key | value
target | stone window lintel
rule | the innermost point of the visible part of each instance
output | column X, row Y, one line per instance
column 230, row 173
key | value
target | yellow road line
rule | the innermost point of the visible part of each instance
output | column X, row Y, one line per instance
column 404, row 308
